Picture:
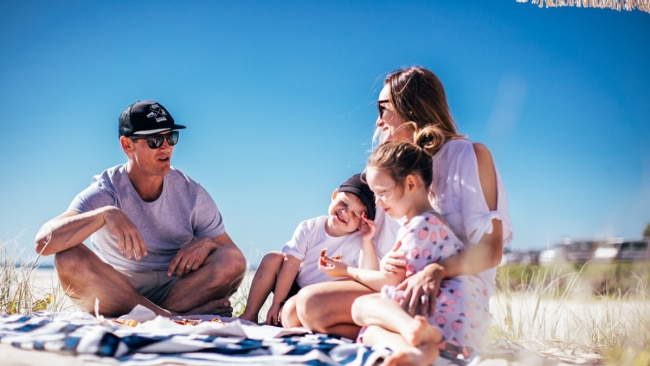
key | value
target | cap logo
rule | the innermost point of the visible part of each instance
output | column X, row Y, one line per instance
column 158, row 113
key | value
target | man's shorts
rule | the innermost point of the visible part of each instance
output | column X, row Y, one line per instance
column 154, row 285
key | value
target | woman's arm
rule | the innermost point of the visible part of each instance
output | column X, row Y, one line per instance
column 487, row 252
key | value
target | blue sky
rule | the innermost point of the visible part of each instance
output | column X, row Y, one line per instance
column 279, row 101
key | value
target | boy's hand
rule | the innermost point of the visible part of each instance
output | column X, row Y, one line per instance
column 367, row 227
column 273, row 316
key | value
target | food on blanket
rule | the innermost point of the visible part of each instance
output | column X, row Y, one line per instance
column 181, row 321
column 187, row 321
column 324, row 252
column 194, row 321
column 127, row 322
column 217, row 320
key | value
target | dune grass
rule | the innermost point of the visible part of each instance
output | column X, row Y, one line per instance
column 18, row 292
column 598, row 310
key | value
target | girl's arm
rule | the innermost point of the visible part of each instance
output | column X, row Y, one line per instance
column 372, row 278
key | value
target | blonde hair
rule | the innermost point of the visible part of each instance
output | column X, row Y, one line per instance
column 419, row 98
column 400, row 159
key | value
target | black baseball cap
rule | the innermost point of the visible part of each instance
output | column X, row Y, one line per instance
column 146, row 118
column 357, row 185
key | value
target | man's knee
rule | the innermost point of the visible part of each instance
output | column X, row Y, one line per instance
column 236, row 262
column 71, row 260
column 231, row 265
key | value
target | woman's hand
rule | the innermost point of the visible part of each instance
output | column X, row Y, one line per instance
column 421, row 290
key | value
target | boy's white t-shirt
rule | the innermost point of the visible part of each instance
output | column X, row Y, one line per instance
column 309, row 239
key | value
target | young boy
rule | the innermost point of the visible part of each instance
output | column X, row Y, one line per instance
column 347, row 230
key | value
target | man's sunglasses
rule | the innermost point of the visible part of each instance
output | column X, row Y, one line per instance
column 155, row 141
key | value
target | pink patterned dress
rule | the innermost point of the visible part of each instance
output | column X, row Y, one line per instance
column 462, row 312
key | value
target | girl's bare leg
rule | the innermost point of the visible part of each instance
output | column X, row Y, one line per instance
column 374, row 310
column 325, row 308
column 403, row 352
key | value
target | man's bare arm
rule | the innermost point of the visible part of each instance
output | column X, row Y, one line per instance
column 71, row 228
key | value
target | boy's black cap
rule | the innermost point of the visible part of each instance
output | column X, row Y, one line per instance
column 357, row 185
column 146, row 118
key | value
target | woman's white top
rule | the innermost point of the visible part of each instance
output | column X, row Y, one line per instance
column 458, row 197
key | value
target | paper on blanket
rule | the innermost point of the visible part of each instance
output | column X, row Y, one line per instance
column 149, row 322
column 140, row 314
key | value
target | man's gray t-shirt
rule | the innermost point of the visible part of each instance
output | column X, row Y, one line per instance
column 184, row 211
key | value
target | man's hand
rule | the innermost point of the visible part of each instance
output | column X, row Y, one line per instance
column 128, row 236
column 191, row 256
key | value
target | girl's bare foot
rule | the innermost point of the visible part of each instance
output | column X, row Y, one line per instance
column 422, row 332
column 424, row 354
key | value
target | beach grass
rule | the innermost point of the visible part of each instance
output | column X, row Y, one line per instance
column 19, row 294
column 601, row 311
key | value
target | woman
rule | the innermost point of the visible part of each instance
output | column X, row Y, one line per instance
column 467, row 191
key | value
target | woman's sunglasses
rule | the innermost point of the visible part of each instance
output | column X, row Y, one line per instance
column 381, row 107
column 156, row 141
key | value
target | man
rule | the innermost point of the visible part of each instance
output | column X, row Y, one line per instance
column 160, row 240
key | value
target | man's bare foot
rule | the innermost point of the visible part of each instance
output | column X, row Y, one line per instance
column 422, row 332
column 424, row 354
column 219, row 307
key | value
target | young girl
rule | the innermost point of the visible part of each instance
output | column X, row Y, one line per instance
column 400, row 174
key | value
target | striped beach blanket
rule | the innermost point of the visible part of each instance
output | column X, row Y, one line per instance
column 160, row 340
